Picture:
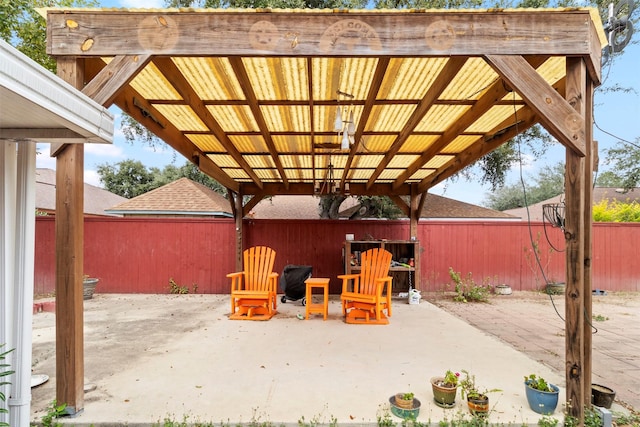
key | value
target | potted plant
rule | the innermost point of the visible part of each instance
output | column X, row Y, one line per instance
column 542, row 396
column 445, row 389
column 88, row 286
column 478, row 401
column 404, row 400
column 405, row 405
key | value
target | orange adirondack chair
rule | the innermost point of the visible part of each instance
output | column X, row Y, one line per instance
column 254, row 290
column 367, row 295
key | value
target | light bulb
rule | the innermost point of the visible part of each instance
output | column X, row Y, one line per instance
column 337, row 125
column 352, row 125
column 345, row 141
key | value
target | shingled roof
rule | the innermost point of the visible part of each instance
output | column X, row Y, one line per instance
column 96, row 199
column 599, row 194
column 182, row 197
column 306, row 207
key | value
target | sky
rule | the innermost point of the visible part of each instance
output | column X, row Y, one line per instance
column 617, row 115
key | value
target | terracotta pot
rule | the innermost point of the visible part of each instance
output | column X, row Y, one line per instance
column 445, row 397
column 403, row 403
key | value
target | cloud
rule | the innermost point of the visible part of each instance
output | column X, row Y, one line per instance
column 92, row 177
column 104, row 150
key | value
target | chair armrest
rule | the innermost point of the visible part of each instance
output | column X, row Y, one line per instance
column 273, row 282
column 380, row 285
column 345, row 281
column 236, row 280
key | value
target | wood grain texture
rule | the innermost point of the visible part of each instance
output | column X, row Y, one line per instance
column 322, row 33
column 558, row 117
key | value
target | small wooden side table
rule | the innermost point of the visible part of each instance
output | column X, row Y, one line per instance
column 317, row 282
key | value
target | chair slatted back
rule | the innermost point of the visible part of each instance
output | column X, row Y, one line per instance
column 258, row 264
column 375, row 264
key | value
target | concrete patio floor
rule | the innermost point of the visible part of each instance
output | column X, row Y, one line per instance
column 151, row 357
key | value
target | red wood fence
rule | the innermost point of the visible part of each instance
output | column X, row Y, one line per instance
column 142, row 255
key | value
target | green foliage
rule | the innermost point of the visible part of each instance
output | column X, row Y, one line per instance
column 599, row 318
column 54, row 411
column 631, row 419
column 591, row 418
column 407, row 396
column 624, row 159
column 609, row 179
column 469, row 388
column 370, row 207
column 23, row 27
column 467, row 290
column 378, row 207
column 175, row 288
column 547, row 421
column 548, row 183
column 385, row 419
column 537, row 383
column 614, row 211
column 4, row 372
column 130, row 178
column 451, row 378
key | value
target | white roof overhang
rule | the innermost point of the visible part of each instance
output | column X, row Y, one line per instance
column 37, row 105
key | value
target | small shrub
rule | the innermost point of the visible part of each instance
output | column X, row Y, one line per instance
column 174, row 288
column 467, row 289
column 4, row 372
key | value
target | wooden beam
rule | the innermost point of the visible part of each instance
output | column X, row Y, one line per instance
column 70, row 262
column 137, row 107
column 575, row 253
column 526, row 119
column 402, row 205
column 245, row 84
column 441, row 82
column 104, row 87
column 186, row 91
column 414, row 216
column 495, row 92
column 320, row 33
column 376, row 82
column 556, row 114
column 252, row 203
column 355, row 189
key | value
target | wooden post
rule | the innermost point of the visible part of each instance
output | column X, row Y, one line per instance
column 414, row 214
column 575, row 252
column 69, row 262
column 239, row 236
column 590, row 166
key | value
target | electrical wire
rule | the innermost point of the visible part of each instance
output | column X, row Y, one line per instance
column 524, row 192
column 615, row 136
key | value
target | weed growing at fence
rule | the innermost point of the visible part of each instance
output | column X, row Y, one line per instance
column 467, row 290
column 174, row 288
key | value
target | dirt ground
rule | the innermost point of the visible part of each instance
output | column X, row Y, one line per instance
column 533, row 323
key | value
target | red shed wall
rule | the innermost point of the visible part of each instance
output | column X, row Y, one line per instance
column 141, row 255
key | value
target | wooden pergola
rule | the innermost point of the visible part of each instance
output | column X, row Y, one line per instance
column 251, row 97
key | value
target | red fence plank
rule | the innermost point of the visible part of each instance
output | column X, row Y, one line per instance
column 141, row 255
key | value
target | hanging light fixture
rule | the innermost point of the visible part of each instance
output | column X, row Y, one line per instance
column 346, row 129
